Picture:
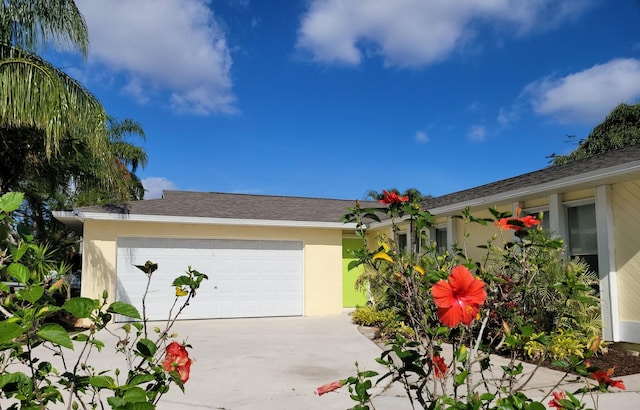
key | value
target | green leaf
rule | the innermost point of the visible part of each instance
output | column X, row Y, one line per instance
column 19, row 272
column 47, row 310
column 17, row 252
column 461, row 354
column 182, row 281
column 141, row 378
column 56, row 334
column 368, row 373
column 526, row 331
column 140, row 406
column 116, row 402
column 135, row 395
column 124, row 309
column 80, row 337
column 146, row 347
column 81, row 307
column 9, row 331
column 460, row 378
column 31, row 295
column 487, row 397
column 7, row 378
column 102, row 382
column 535, row 406
column 148, row 268
column 10, row 201
column 99, row 344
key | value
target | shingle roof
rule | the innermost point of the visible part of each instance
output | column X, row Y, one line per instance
column 611, row 159
column 286, row 208
column 234, row 206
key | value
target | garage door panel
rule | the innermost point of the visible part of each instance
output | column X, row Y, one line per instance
column 247, row 278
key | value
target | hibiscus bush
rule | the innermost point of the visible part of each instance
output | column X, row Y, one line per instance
column 473, row 321
column 44, row 363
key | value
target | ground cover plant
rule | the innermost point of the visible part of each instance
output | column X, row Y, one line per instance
column 43, row 363
column 524, row 300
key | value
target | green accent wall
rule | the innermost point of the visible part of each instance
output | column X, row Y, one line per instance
column 351, row 297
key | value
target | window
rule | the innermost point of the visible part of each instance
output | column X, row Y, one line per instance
column 545, row 219
column 583, row 238
column 402, row 241
column 441, row 240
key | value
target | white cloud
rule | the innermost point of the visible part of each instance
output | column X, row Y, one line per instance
column 477, row 133
column 416, row 32
column 422, row 137
column 172, row 47
column 587, row 96
column 154, row 186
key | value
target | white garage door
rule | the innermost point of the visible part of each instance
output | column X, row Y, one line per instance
column 247, row 278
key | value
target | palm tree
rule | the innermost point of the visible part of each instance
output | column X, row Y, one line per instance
column 126, row 158
column 35, row 94
column 52, row 129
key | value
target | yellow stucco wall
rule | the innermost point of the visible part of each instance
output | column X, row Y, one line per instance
column 478, row 234
column 322, row 255
column 625, row 198
column 536, row 203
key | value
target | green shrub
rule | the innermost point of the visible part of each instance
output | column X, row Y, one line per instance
column 371, row 316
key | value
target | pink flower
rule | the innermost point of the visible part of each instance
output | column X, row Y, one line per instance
column 329, row 387
column 458, row 299
column 177, row 359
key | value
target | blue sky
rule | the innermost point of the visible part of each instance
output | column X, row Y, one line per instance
column 334, row 98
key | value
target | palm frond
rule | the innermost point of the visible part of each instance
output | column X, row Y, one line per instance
column 34, row 24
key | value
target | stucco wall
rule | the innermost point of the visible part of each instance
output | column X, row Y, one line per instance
column 322, row 255
column 478, row 234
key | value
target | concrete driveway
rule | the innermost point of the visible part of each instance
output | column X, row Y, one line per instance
column 277, row 363
column 273, row 363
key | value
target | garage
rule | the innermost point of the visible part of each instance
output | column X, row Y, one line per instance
column 247, row 278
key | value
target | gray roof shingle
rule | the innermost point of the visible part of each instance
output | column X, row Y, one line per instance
column 609, row 159
column 234, row 206
column 286, row 208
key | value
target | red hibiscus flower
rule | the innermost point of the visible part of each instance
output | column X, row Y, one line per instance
column 177, row 359
column 557, row 396
column 459, row 298
column 604, row 379
column 528, row 221
column 439, row 366
column 329, row 387
column 390, row 198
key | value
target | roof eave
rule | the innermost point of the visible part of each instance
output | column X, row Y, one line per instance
column 83, row 216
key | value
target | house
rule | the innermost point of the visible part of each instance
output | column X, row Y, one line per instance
column 264, row 255
column 287, row 255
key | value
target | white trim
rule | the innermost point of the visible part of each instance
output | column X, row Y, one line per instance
column 83, row 216
column 535, row 209
column 451, row 234
column 557, row 216
column 579, row 202
column 557, row 184
column 607, row 263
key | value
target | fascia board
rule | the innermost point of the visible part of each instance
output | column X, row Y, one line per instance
column 587, row 177
column 210, row 221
